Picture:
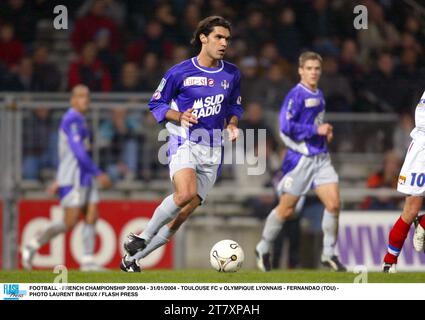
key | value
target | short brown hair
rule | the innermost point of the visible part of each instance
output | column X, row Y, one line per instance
column 206, row 26
column 308, row 55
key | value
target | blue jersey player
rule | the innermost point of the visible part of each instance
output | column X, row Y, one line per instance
column 197, row 99
column 74, row 182
column 306, row 165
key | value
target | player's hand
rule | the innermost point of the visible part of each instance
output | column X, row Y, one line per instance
column 52, row 189
column 104, row 181
column 187, row 119
column 233, row 132
column 324, row 129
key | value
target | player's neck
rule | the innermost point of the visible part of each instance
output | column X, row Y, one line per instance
column 205, row 61
column 308, row 86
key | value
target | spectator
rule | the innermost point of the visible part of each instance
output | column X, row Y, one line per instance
column 336, row 87
column 87, row 27
column 46, row 75
column 39, row 144
column 387, row 177
column 254, row 31
column 90, row 71
column 11, row 49
column 105, row 55
column 130, row 79
column 289, row 40
column 151, row 72
column 120, row 139
column 249, row 86
column 18, row 13
column 23, row 79
column 153, row 41
column 401, row 135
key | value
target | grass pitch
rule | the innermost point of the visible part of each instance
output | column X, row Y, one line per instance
column 208, row 276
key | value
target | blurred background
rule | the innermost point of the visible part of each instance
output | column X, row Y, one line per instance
column 372, row 80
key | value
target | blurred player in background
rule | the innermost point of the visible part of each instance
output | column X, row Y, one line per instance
column 411, row 182
column 307, row 163
column 195, row 97
column 74, row 182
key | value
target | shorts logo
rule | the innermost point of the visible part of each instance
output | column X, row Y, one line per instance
column 210, row 82
column 195, row 81
column 288, row 183
column 401, row 180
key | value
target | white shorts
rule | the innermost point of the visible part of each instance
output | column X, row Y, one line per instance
column 307, row 173
column 411, row 180
column 80, row 197
column 205, row 160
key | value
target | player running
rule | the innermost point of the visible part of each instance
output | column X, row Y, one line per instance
column 411, row 182
column 74, row 182
column 196, row 98
column 307, row 163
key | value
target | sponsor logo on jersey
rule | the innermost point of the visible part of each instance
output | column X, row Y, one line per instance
column 288, row 113
column 401, row 179
column 156, row 95
column 209, row 106
column 161, row 85
column 210, row 82
column 312, row 102
column 195, row 81
column 225, row 84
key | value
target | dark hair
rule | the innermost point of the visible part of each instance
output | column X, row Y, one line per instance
column 206, row 26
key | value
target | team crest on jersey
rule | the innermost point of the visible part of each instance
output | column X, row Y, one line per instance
column 210, row 82
column 401, row 179
column 195, row 81
column 312, row 102
column 239, row 100
column 225, row 84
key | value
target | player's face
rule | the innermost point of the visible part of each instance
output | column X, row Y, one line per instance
column 217, row 42
column 310, row 72
column 81, row 99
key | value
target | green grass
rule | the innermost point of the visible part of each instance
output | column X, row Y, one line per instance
column 204, row 276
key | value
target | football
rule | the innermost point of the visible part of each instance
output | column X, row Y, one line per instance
column 226, row 256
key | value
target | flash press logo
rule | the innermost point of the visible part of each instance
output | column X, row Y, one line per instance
column 12, row 292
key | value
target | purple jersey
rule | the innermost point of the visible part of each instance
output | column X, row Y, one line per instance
column 76, row 168
column 302, row 112
column 214, row 93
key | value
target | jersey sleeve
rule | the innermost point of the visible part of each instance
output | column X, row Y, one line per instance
column 290, row 113
column 235, row 100
column 72, row 130
column 161, row 99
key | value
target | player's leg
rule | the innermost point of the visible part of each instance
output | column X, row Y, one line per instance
column 166, row 232
column 91, row 215
column 185, row 190
column 272, row 227
column 398, row 233
column 329, row 196
column 51, row 231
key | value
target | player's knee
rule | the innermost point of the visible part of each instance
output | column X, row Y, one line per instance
column 285, row 213
column 183, row 198
column 333, row 207
column 70, row 224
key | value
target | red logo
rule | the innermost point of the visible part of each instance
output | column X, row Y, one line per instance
column 211, row 82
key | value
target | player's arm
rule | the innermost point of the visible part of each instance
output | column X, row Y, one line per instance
column 234, row 110
column 73, row 132
column 290, row 112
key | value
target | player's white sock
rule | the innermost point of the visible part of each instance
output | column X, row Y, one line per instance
column 89, row 238
column 49, row 233
column 162, row 237
column 163, row 214
column 271, row 229
column 330, row 233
